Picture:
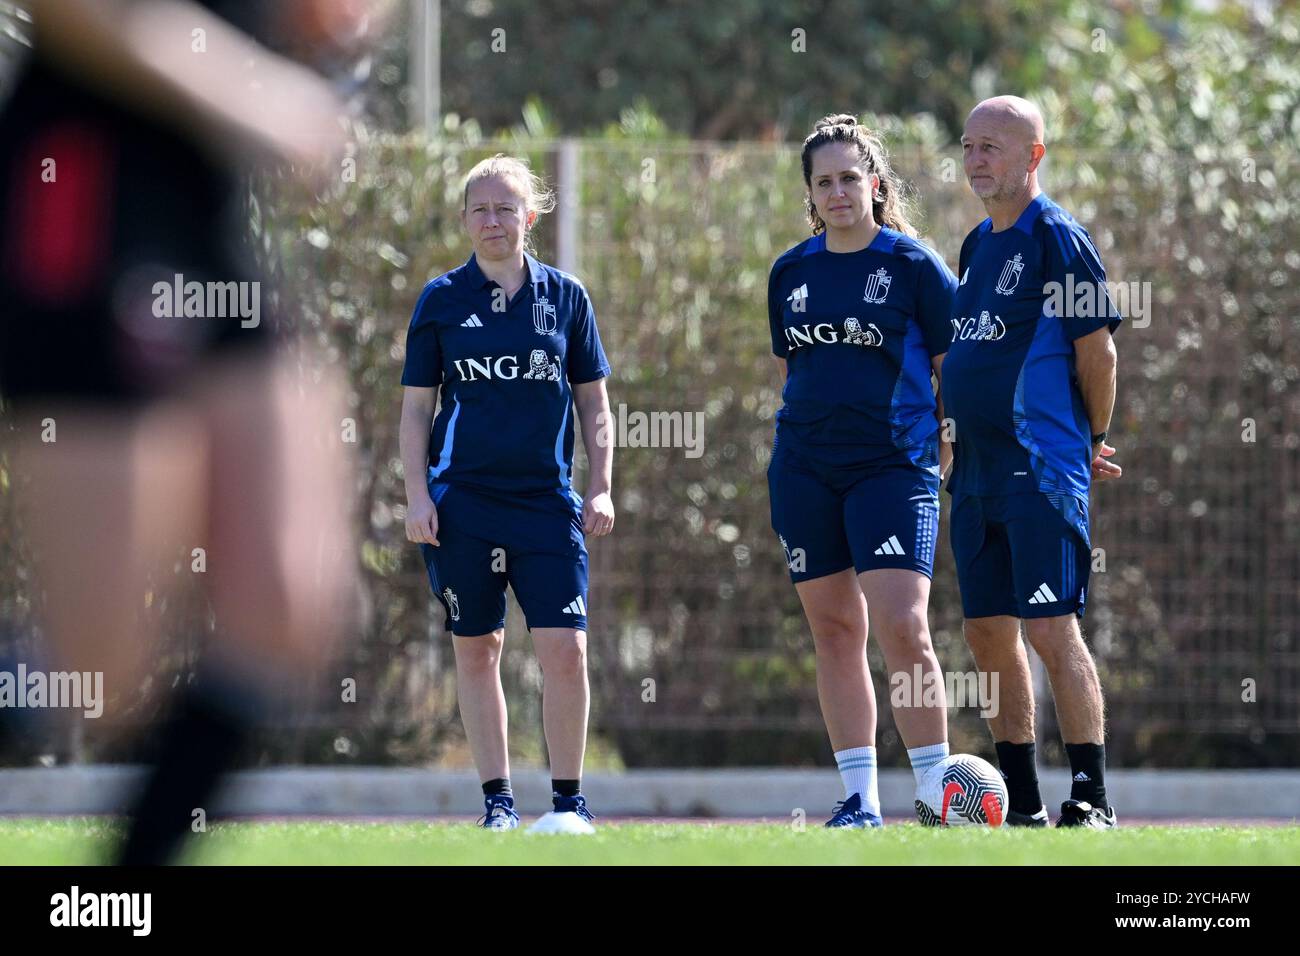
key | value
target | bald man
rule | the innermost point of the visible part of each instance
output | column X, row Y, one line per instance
column 1029, row 382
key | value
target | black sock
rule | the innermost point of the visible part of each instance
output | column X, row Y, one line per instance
column 500, row 787
column 565, row 788
column 200, row 742
column 1088, row 773
column 1021, row 773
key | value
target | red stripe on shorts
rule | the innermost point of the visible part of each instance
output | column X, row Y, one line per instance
column 59, row 240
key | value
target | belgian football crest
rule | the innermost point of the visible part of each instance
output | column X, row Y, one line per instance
column 542, row 370
column 855, row 334
column 877, row 287
column 1010, row 277
column 543, row 317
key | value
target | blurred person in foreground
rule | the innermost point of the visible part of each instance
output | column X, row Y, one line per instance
column 153, row 412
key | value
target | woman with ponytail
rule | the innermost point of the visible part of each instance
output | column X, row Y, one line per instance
column 859, row 316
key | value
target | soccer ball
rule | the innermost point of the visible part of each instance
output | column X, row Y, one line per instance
column 961, row 791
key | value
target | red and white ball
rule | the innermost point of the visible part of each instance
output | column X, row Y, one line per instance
column 962, row 791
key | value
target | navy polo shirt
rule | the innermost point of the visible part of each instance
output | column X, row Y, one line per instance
column 506, row 370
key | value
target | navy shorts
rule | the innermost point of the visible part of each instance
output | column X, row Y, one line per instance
column 829, row 519
column 534, row 544
column 1024, row 556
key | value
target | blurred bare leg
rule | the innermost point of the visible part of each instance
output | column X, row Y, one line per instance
column 281, row 567
column 282, row 559
column 107, row 506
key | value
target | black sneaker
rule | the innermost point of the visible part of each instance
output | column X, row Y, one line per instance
column 1015, row 819
column 1080, row 813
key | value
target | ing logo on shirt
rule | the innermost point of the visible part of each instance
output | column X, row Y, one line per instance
column 855, row 334
column 506, row 368
column 797, row 336
column 983, row 329
column 541, row 369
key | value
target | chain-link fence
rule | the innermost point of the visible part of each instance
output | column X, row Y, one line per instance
column 699, row 652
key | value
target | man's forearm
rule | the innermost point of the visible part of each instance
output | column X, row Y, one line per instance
column 1097, row 385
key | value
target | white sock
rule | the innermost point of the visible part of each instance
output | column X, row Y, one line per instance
column 923, row 758
column 858, row 771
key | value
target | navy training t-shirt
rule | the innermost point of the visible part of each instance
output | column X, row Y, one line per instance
column 506, row 421
column 1026, row 294
column 858, row 331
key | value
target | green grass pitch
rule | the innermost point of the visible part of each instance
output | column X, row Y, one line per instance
column 307, row 843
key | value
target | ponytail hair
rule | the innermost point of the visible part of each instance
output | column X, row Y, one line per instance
column 892, row 206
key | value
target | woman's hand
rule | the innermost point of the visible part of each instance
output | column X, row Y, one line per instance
column 422, row 521
column 598, row 514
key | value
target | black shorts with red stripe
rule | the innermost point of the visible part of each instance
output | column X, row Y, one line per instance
column 123, row 262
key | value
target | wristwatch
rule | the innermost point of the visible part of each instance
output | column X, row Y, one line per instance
column 1098, row 439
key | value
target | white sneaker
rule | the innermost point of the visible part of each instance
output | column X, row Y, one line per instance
column 568, row 822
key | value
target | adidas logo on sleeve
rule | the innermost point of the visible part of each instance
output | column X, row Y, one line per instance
column 473, row 322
